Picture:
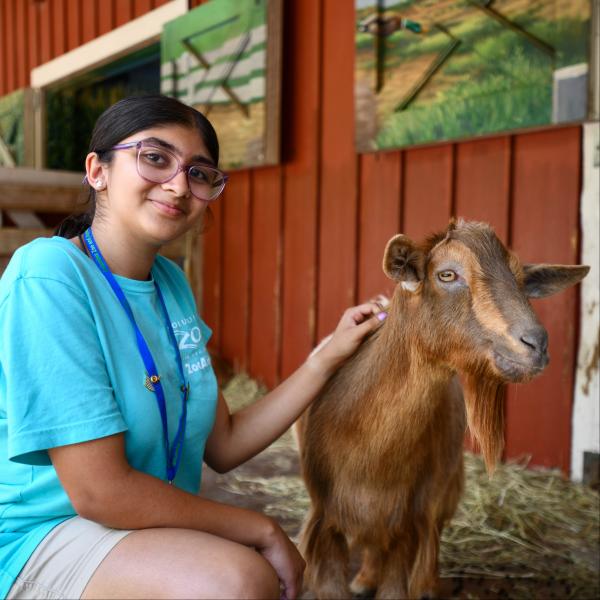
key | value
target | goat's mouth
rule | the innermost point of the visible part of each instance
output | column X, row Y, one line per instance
column 514, row 370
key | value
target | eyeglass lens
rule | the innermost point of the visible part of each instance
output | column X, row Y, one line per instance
column 159, row 165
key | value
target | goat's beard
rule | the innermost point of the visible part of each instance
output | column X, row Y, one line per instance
column 484, row 401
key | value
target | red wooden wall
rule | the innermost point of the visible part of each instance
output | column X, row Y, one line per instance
column 33, row 32
column 293, row 245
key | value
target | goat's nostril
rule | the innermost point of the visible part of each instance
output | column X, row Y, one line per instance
column 536, row 339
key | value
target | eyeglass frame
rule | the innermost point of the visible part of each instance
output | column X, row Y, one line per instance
column 180, row 168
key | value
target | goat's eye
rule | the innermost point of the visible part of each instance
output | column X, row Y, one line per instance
column 447, row 276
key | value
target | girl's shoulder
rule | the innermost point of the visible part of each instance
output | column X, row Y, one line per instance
column 42, row 256
column 53, row 258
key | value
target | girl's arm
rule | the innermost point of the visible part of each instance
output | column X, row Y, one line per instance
column 104, row 488
column 237, row 437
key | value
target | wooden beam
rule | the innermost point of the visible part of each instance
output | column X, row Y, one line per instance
column 12, row 238
column 41, row 176
column 23, row 188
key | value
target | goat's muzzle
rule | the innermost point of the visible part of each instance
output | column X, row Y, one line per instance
column 531, row 359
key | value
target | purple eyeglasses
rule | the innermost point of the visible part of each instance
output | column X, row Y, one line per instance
column 159, row 165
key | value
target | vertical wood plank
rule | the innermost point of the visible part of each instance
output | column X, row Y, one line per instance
column 73, row 24
column 212, row 268
column 106, row 16
column 11, row 63
column 427, row 190
column 265, row 293
column 33, row 36
column 3, row 50
column 301, row 114
column 482, row 182
column 123, row 12
column 338, row 197
column 89, row 21
column 380, row 197
column 141, row 7
column 545, row 229
column 236, row 264
column 20, row 46
column 59, row 34
column 46, row 30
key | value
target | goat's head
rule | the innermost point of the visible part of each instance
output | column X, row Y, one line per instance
column 474, row 299
column 474, row 314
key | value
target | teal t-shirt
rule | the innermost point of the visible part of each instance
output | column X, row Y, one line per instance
column 70, row 372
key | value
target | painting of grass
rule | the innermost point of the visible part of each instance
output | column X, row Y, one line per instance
column 430, row 71
column 12, row 108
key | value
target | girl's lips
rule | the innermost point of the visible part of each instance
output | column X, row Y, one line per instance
column 167, row 209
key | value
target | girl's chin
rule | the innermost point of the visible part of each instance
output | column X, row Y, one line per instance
column 164, row 231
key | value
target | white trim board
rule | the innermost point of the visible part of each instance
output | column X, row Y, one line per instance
column 586, row 409
column 108, row 47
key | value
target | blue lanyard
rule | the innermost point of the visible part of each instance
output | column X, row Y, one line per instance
column 173, row 452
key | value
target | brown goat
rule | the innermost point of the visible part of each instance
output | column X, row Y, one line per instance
column 382, row 447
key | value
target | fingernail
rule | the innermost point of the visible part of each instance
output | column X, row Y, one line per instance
column 382, row 315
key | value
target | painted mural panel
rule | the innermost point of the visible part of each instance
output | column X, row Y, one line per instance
column 12, row 116
column 217, row 58
column 432, row 70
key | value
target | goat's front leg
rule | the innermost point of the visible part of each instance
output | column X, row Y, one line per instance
column 367, row 579
column 395, row 570
column 423, row 581
column 326, row 553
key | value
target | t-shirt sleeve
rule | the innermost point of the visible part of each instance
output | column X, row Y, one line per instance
column 57, row 388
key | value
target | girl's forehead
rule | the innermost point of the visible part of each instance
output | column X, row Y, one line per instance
column 180, row 139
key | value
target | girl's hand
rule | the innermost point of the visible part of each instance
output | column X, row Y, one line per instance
column 356, row 323
column 283, row 556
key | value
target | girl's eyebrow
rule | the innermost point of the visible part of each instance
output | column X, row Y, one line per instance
column 199, row 158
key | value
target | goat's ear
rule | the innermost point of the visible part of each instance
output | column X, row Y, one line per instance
column 404, row 262
column 544, row 280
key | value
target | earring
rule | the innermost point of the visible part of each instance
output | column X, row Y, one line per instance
column 99, row 184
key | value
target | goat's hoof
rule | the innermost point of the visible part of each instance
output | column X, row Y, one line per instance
column 361, row 588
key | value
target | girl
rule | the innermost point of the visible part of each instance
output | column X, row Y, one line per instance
column 106, row 416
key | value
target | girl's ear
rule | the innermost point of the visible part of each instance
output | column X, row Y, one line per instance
column 95, row 171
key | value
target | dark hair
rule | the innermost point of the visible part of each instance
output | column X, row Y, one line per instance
column 123, row 119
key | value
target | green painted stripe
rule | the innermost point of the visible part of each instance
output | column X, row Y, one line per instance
column 238, row 17
column 232, row 82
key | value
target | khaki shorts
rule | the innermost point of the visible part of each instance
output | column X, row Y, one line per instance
column 64, row 562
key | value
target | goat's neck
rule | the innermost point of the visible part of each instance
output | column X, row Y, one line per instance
column 405, row 364
column 420, row 381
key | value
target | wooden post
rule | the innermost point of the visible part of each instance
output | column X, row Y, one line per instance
column 39, row 125
column 29, row 128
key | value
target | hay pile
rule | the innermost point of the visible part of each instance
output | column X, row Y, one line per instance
column 528, row 528
column 525, row 524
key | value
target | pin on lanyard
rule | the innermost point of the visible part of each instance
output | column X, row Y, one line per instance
column 152, row 383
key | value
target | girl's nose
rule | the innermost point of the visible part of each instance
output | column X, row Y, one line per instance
column 179, row 185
